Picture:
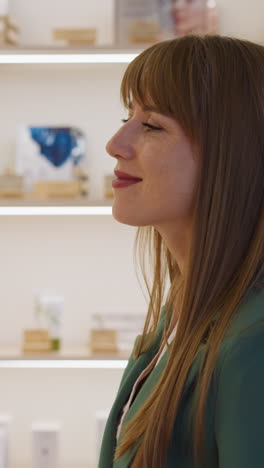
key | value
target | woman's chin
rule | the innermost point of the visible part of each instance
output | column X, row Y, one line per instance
column 131, row 219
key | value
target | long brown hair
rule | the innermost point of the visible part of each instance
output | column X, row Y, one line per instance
column 214, row 87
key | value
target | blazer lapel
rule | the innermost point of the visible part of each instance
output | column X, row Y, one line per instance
column 135, row 369
column 143, row 395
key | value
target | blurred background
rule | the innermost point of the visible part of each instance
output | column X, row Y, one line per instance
column 71, row 301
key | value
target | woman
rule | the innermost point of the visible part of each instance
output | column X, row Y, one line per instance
column 192, row 392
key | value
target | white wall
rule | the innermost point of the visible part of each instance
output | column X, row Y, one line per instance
column 87, row 259
column 241, row 18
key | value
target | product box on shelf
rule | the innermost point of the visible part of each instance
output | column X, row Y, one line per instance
column 4, row 441
column 115, row 331
column 148, row 21
column 45, row 445
column 103, row 340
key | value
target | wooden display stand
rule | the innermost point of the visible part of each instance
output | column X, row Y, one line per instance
column 36, row 340
column 144, row 32
column 11, row 184
column 56, row 189
column 103, row 340
column 79, row 36
column 108, row 189
column 8, row 31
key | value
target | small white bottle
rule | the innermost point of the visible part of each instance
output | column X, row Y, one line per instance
column 45, row 445
column 4, row 7
column 4, row 440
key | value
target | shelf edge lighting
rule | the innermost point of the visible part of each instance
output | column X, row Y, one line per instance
column 55, row 210
column 66, row 58
column 63, row 364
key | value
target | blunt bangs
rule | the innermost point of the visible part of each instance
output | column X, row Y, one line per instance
column 145, row 76
column 161, row 77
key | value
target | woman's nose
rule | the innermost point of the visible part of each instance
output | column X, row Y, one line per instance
column 119, row 146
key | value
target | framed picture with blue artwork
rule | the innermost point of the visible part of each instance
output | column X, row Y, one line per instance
column 49, row 153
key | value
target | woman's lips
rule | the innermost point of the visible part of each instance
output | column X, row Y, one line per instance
column 119, row 183
column 124, row 175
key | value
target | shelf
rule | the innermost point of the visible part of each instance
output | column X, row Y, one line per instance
column 76, row 358
column 69, row 353
column 60, row 55
column 98, row 49
column 55, row 202
column 63, row 364
column 71, row 206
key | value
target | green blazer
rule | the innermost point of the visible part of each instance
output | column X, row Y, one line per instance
column 234, row 417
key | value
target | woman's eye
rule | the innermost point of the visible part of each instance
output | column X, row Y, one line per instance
column 150, row 127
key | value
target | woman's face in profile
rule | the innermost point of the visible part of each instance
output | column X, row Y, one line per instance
column 188, row 16
column 153, row 147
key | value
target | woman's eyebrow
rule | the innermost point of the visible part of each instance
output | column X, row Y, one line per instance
column 146, row 108
column 156, row 110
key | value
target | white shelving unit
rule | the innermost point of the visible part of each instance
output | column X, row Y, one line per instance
column 72, row 371
column 88, row 261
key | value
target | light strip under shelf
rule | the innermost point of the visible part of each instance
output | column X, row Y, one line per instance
column 55, row 210
column 63, row 364
column 31, row 58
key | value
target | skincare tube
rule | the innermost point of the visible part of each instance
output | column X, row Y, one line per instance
column 52, row 307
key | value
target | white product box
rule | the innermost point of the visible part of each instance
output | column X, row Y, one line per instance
column 4, row 7
column 4, row 440
column 101, row 419
column 3, row 448
column 45, row 445
column 127, row 324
